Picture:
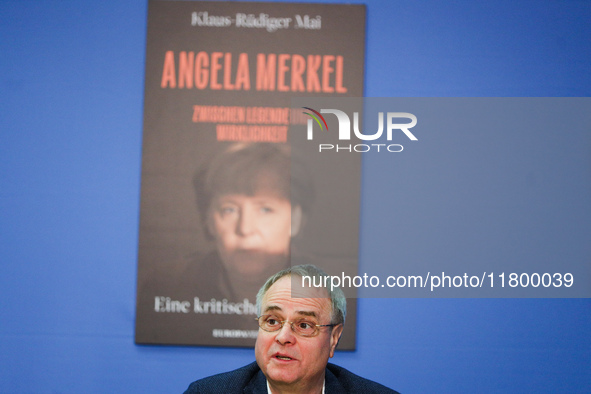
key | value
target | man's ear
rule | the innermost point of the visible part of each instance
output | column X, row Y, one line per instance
column 296, row 220
column 335, row 336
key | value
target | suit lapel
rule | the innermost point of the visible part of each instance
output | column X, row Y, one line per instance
column 331, row 383
column 257, row 385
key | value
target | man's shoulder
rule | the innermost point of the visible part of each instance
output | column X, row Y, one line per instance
column 250, row 379
column 227, row 382
column 352, row 383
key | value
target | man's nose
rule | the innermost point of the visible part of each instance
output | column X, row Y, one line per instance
column 285, row 334
column 246, row 222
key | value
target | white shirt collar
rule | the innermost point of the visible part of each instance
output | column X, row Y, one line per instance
column 269, row 387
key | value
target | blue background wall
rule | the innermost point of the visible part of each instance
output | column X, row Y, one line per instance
column 71, row 86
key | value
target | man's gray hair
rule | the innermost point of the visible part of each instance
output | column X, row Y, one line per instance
column 336, row 295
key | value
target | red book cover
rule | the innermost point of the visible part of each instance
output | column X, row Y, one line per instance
column 226, row 200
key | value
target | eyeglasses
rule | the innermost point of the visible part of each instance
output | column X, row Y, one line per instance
column 302, row 327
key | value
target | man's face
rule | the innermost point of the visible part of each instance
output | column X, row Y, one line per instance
column 252, row 233
column 289, row 360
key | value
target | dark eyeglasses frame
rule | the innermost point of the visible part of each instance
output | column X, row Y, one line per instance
column 282, row 323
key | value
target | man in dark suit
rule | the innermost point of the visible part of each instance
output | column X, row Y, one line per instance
column 300, row 327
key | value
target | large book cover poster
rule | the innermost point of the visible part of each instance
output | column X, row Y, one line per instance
column 226, row 200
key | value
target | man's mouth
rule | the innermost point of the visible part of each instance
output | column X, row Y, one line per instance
column 284, row 358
